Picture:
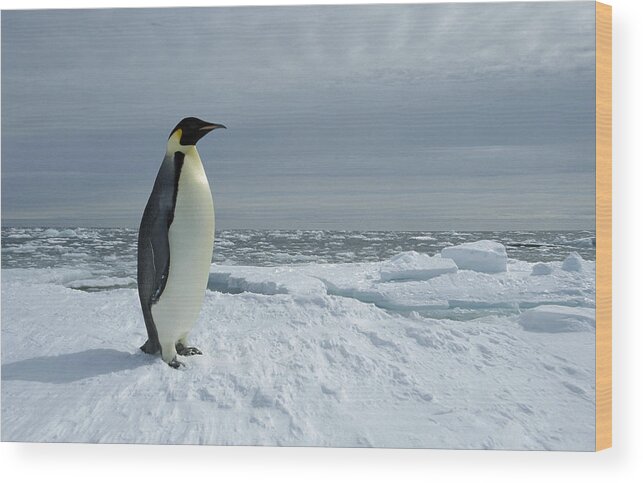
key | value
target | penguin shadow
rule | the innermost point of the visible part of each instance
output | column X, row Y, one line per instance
column 65, row 368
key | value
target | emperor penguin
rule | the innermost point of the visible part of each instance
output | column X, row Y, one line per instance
column 175, row 241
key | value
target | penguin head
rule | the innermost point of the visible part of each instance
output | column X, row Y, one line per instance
column 190, row 130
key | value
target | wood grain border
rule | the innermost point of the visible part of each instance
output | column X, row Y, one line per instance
column 603, row 226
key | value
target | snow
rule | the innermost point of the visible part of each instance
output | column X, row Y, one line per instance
column 481, row 256
column 573, row 263
column 311, row 354
column 556, row 318
column 101, row 283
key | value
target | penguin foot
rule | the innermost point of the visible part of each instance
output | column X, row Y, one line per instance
column 187, row 351
column 150, row 347
column 175, row 363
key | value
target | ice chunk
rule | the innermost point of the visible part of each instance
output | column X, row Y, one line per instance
column 415, row 266
column 573, row 263
column 53, row 233
column 541, row 269
column 586, row 242
column 558, row 318
column 481, row 256
column 423, row 237
column 50, row 233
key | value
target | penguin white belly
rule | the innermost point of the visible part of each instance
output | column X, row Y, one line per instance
column 191, row 237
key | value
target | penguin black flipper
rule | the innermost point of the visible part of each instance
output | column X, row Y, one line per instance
column 154, row 245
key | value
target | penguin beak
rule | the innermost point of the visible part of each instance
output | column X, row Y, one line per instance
column 211, row 127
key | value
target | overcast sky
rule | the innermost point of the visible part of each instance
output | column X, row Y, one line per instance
column 392, row 117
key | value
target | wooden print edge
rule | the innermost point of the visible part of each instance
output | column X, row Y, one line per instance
column 603, row 226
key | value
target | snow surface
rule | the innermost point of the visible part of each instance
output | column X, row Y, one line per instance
column 557, row 318
column 481, row 256
column 313, row 354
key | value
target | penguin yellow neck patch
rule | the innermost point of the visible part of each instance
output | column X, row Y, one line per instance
column 174, row 142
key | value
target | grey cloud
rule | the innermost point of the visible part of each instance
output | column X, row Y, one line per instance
column 336, row 97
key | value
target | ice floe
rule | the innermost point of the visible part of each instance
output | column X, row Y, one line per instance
column 412, row 281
